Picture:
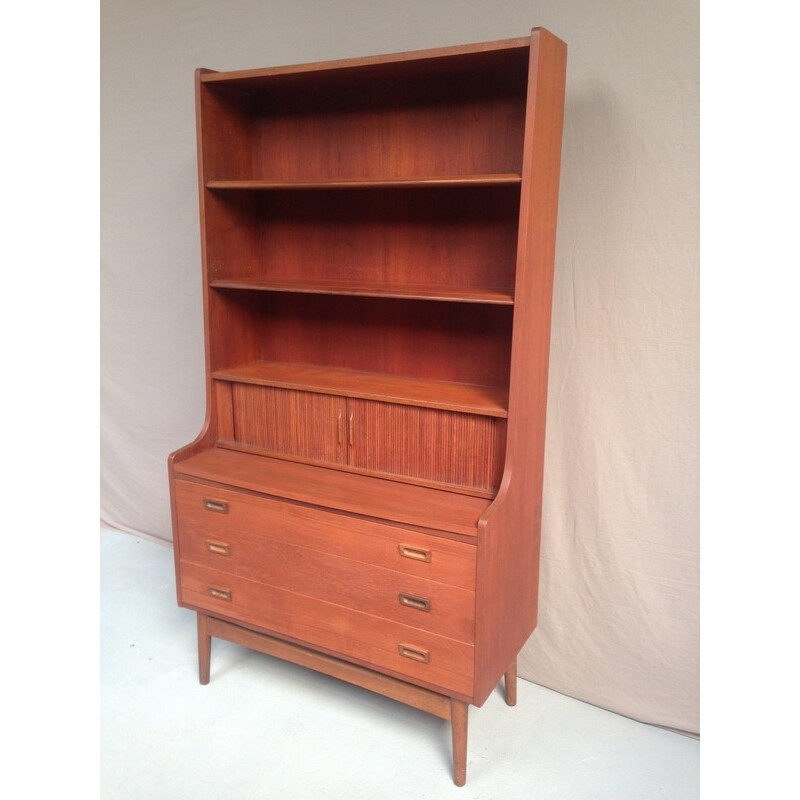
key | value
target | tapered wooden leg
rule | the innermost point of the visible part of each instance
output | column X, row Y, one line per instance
column 203, row 649
column 511, row 684
column 458, row 722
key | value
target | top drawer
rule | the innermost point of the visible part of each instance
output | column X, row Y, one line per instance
column 208, row 510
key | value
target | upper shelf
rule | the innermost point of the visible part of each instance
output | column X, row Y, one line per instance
column 498, row 179
column 470, row 57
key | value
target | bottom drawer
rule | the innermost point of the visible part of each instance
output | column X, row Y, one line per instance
column 391, row 646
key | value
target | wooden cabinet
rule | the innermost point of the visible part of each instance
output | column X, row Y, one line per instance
column 378, row 242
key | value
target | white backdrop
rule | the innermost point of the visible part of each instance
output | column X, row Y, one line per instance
column 619, row 592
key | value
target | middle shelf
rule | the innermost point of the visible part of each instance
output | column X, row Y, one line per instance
column 415, row 182
column 409, row 291
column 467, row 398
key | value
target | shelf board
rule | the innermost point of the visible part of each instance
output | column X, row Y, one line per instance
column 457, row 294
column 441, row 181
column 427, row 59
column 331, row 488
column 466, row 398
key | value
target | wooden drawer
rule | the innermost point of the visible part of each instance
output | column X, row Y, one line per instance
column 253, row 519
column 419, row 602
column 405, row 651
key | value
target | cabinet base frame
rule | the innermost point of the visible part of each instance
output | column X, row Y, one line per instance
column 439, row 705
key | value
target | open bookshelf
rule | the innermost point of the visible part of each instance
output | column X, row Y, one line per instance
column 378, row 242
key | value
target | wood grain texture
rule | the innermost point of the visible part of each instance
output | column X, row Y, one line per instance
column 446, row 342
column 419, row 182
column 252, row 552
column 303, row 424
column 463, row 449
column 208, row 432
column 203, row 649
column 335, row 125
column 415, row 696
column 391, row 501
column 403, row 290
column 448, row 395
column 351, row 633
column 437, row 558
column 223, row 395
column 459, row 714
column 461, row 236
column 419, row 62
column 510, row 532
column 378, row 241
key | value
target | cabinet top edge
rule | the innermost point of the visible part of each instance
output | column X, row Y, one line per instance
column 519, row 43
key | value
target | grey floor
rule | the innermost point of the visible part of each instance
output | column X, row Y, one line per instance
column 266, row 729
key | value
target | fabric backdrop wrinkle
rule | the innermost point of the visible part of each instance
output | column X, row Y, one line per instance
column 619, row 595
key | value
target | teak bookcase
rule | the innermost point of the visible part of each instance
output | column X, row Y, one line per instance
column 378, row 241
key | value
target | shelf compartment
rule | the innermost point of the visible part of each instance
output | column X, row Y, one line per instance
column 453, row 237
column 457, row 294
column 467, row 398
column 422, row 63
column 421, row 182
column 447, row 116
column 457, row 343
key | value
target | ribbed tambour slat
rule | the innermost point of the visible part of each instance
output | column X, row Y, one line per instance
column 301, row 424
column 442, row 446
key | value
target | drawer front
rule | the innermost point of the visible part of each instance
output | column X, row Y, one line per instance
column 419, row 602
column 207, row 513
column 403, row 650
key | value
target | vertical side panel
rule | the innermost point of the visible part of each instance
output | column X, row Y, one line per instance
column 208, row 432
column 509, row 533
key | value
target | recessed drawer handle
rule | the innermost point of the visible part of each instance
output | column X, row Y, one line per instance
column 218, row 548
column 413, row 601
column 220, row 506
column 416, row 553
column 220, row 594
column 414, row 653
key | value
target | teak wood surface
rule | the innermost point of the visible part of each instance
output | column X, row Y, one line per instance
column 377, row 241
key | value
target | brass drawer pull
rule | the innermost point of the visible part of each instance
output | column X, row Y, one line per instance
column 218, row 548
column 415, row 553
column 413, row 601
column 220, row 506
column 414, row 653
column 220, row 594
